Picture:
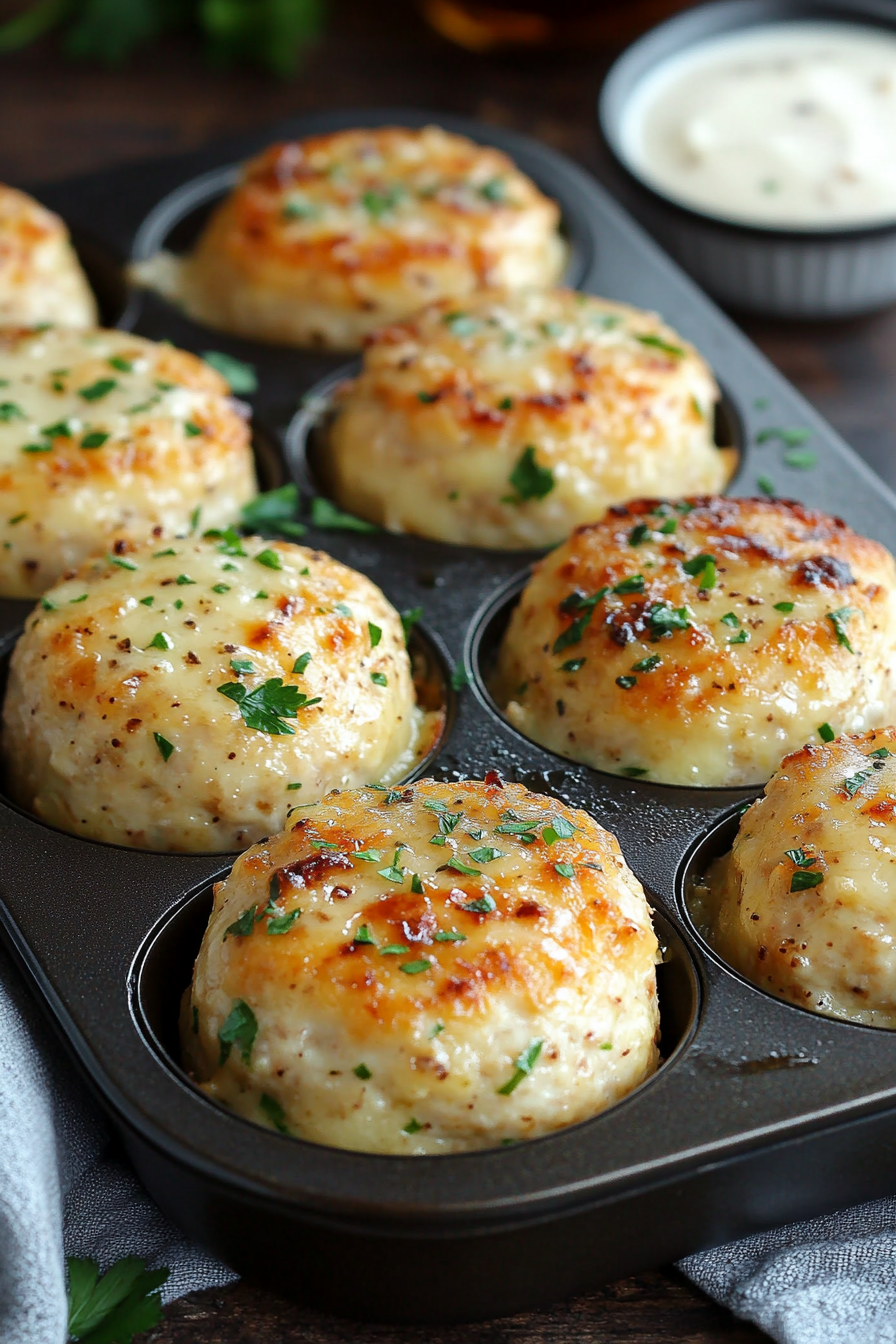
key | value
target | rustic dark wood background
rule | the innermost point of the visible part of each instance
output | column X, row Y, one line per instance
column 59, row 119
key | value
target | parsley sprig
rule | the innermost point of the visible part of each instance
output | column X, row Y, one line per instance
column 122, row 1303
column 267, row 706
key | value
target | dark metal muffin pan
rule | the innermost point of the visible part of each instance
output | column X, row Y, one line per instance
column 761, row 1112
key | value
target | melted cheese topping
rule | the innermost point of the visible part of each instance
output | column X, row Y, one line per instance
column 40, row 277
column 105, row 435
column 805, row 904
column 602, row 401
column 115, row 726
column 440, row 968
column 327, row 238
column 697, row 642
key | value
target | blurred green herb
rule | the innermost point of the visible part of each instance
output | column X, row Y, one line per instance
column 113, row 1308
column 272, row 34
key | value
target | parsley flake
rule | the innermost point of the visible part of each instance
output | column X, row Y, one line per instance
column 361, row 1071
column 529, row 480
column 241, row 666
column 840, row 620
column 267, row 706
column 412, row 1127
column 363, row 937
column 523, row 1066
column 626, row 683
column 853, row 783
column 161, row 641
column 10, row 411
column 282, row 923
column 786, row 607
column 647, row 664
column 240, row 1028
column 802, row 881
column 415, row 967
column 450, row 936
column 826, row 732
column 301, row 663
column 486, row 854
column 565, row 869
column 243, row 926
column 375, row 633
column 95, row 439
column 573, row 664
column 121, row 563
column 482, row 905
column 379, row 679
column 275, row 509
column 327, row 516
column 96, row 391
column 269, row 558
column 657, row 343
column 633, row 584
column 270, row 1107
column 165, row 747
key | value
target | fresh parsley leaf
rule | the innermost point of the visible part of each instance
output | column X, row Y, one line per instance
column 523, row 1066
column 730, row 619
column 95, row 439
column 802, row 881
column 242, row 666
column 363, row 937
column 415, row 967
column 742, row 637
column 121, row 563
column 283, row 923
column 529, row 480
column 664, row 619
column 565, row 869
column 789, row 437
column 486, row 854
column 166, row 748
column 633, row 584
column 766, row 485
column 301, row 663
column 482, row 905
column 801, row 858
column 375, row 633
column 270, row 1107
column 275, row 509
column 161, row 640
column 840, row 620
column 269, row 558
column 239, row 1028
column 460, row 867
column 10, row 411
column 657, row 343
column 626, row 683
column 266, row 707
column 786, row 607
column 368, row 855
column 639, row 534
column 459, row 678
column 412, row 1127
column 324, row 514
column 123, row 1302
column 243, row 926
column 647, row 664
column 241, row 376
column 96, row 391
column 449, row 936
column 393, row 950
column 361, row 1071
column 573, row 664
column 409, row 619
column 801, row 459
column 697, row 564
column 379, row 679
column 853, row 783
column 826, row 732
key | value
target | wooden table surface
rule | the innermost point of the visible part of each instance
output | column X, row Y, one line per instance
column 59, row 119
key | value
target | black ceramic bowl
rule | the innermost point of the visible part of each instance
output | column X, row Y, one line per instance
column 774, row 271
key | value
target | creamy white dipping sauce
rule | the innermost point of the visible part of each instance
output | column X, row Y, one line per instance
column 791, row 125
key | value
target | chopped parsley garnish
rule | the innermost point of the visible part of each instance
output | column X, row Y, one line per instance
column 639, row 533
column 101, row 388
column 826, row 732
column 563, row 829
column 61, row 430
column 10, row 411
column 439, row 1027
column 270, row 1107
column 633, row 584
column 789, row 437
column 239, row 1028
column 577, row 602
column 482, row 905
column 157, row 555
column 145, row 601
column 634, row 771
column 368, row 855
column 394, row 950
column 283, row 923
column 47, row 604
column 505, row 404
column 394, row 873
column 626, row 683
column 274, row 509
column 301, row 663
column 191, row 429
column 161, row 641
column 840, row 620
column 375, row 633
column 361, row 1071
column 363, row 937
column 801, row 858
column 183, row 579
column 647, row 664
column 803, row 459
column 529, row 480
column 703, row 567
column 379, row 203
column 881, row 754
column 416, row 885
column 326, row 515
column 460, row 324
column 165, row 747
column 731, row 620
column 415, row 967
column 460, row 867
column 269, row 558
column 231, row 543
column 565, row 869
column 853, row 783
column 379, row 679
column 122, row 564
column 669, row 527
column 427, row 398
column 37, row 448
column 486, row 854
column 241, row 666
column 243, row 926
column 221, row 588
column 448, row 820
column 573, row 664
column 409, row 619
column 449, row 936
column 261, row 594
column 412, row 1127
column 18, row 518
column 95, row 439
column 786, row 607
column 664, row 619
column 525, row 830
column 121, row 364
column 523, row 1066
column 802, row 881
column 267, row 706
column 657, row 343
column 290, row 788
column 766, row 485
column 240, row 376
column 459, row 678
column 742, row 637
column 494, row 190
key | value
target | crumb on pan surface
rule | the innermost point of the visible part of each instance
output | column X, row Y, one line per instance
column 431, row 969
column 804, row 905
column 103, row 435
column 183, row 699
column 511, row 420
column 41, row 279
column 326, row 238
column 697, row 641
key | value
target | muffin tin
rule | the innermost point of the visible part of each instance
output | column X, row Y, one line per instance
column 760, row 1113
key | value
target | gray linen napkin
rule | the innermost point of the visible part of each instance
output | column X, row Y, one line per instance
column 62, row 1190
column 825, row 1281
